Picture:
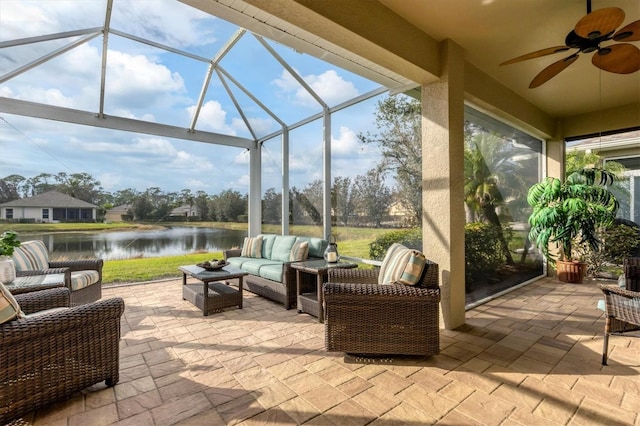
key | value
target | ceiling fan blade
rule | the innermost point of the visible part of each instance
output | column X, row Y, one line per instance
column 552, row 70
column 629, row 32
column 622, row 58
column 537, row 54
column 599, row 22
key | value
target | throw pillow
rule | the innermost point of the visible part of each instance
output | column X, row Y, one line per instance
column 9, row 308
column 252, row 247
column 299, row 251
column 401, row 265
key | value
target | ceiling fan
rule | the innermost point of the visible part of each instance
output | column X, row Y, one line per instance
column 591, row 30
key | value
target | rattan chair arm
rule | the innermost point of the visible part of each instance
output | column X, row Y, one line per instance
column 612, row 288
column 78, row 265
column 48, row 271
column 357, row 276
column 231, row 253
column 40, row 300
column 380, row 290
column 79, row 317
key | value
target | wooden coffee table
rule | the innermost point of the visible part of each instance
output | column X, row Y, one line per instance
column 312, row 303
column 214, row 292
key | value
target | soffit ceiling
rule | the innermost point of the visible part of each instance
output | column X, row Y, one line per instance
column 490, row 32
column 493, row 31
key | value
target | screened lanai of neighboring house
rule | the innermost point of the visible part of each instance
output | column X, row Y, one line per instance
column 254, row 76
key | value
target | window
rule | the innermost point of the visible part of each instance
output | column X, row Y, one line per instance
column 8, row 213
column 501, row 164
column 45, row 214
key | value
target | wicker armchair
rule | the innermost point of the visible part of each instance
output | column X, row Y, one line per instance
column 83, row 277
column 51, row 355
column 363, row 317
column 631, row 270
column 622, row 313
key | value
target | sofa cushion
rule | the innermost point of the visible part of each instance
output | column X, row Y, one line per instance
column 272, row 272
column 282, row 247
column 9, row 308
column 252, row 247
column 253, row 266
column 31, row 256
column 401, row 265
column 82, row 279
column 267, row 245
column 299, row 251
column 237, row 262
column 317, row 246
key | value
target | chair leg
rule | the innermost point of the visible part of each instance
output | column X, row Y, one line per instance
column 607, row 331
column 605, row 348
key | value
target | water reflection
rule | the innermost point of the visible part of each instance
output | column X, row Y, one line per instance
column 130, row 244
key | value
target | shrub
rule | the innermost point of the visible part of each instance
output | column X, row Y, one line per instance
column 482, row 250
column 618, row 242
column 411, row 238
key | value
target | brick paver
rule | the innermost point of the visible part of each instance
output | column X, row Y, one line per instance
column 529, row 357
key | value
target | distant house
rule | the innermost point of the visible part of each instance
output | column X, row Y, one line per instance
column 118, row 213
column 52, row 206
column 185, row 211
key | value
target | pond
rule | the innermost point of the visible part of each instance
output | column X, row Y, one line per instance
column 113, row 245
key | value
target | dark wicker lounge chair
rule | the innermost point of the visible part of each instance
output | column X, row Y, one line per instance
column 83, row 277
column 622, row 305
column 47, row 357
column 363, row 317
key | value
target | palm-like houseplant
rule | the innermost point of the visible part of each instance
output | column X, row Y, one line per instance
column 569, row 214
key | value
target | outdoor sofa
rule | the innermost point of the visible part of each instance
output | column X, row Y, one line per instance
column 267, row 259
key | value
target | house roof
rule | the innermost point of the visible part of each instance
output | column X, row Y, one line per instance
column 53, row 199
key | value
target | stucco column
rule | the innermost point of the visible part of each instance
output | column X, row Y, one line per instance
column 443, row 180
column 554, row 167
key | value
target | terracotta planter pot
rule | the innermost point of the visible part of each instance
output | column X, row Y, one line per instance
column 571, row 271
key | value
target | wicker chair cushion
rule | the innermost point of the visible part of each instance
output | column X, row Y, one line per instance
column 401, row 265
column 31, row 256
column 9, row 308
column 252, row 247
column 299, row 251
column 82, row 279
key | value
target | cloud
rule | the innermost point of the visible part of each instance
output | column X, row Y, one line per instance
column 346, row 144
column 196, row 184
column 260, row 126
column 110, row 181
column 329, row 86
column 136, row 81
column 212, row 117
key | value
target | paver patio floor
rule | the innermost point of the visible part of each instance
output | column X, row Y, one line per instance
column 531, row 357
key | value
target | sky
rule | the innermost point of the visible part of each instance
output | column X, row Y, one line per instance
column 151, row 84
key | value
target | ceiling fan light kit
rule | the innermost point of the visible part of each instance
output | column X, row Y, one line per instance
column 591, row 30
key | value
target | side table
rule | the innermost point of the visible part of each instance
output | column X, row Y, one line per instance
column 312, row 303
column 214, row 293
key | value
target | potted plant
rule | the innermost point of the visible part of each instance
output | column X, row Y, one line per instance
column 569, row 214
column 8, row 242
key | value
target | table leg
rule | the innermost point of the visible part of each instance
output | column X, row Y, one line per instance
column 205, row 299
column 240, row 291
column 184, row 282
column 298, row 289
column 319, row 282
